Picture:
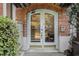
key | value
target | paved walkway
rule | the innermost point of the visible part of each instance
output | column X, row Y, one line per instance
column 43, row 54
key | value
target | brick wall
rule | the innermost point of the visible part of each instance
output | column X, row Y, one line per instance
column 21, row 16
column 1, row 9
column 63, row 22
column 8, row 10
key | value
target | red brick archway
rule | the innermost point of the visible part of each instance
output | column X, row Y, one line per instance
column 63, row 18
column 44, row 6
column 23, row 11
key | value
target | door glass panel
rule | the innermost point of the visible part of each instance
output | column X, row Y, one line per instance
column 35, row 28
column 49, row 28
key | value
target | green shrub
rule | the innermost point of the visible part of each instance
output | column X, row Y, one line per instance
column 8, row 37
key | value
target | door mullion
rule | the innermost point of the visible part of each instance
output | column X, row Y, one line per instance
column 43, row 24
column 42, row 28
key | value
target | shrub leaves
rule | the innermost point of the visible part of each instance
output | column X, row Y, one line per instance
column 8, row 37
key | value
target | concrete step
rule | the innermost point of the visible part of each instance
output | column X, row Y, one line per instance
column 43, row 49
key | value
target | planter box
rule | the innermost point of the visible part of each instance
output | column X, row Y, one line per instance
column 75, row 47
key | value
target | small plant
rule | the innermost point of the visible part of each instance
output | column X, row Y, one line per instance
column 74, row 18
column 8, row 37
column 73, row 13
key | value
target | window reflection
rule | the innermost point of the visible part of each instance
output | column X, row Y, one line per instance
column 49, row 28
column 35, row 28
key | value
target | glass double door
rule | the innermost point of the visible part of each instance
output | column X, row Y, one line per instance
column 42, row 28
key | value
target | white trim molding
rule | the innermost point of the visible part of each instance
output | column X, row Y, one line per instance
column 13, row 12
column 4, row 9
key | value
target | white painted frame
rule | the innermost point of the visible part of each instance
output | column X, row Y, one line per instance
column 55, row 14
column 4, row 9
column 13, row 12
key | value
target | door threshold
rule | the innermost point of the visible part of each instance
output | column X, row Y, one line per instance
column 43, row 46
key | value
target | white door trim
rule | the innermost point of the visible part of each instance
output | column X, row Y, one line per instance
column 55, row 24
column 13, row 12
column 4, row 9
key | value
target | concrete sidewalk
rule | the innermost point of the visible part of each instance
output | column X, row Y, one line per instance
column 43, row 54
